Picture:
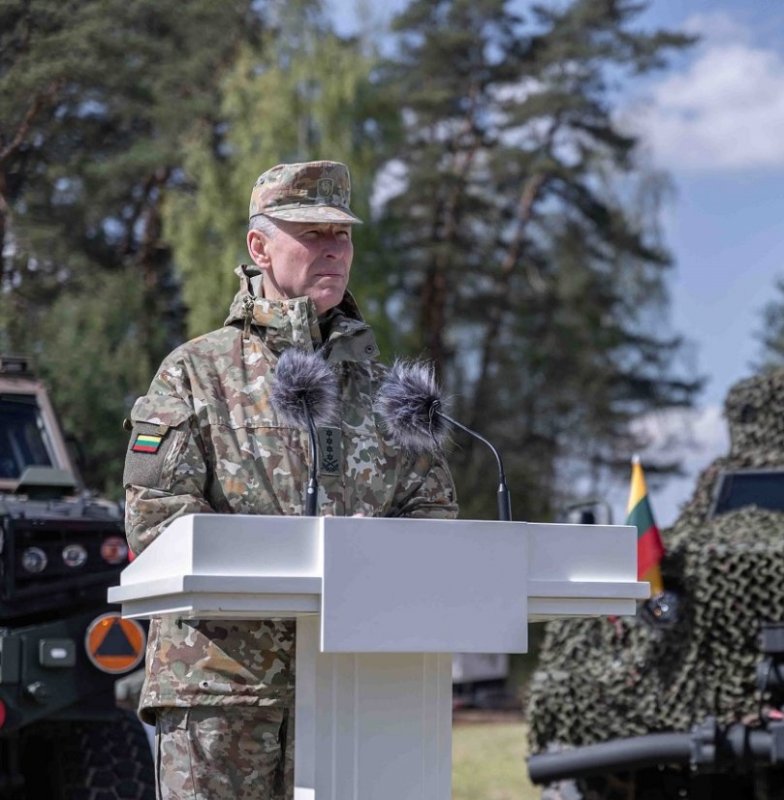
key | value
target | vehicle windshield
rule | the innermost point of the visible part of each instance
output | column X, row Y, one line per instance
column 761, row 488
column 23, row 439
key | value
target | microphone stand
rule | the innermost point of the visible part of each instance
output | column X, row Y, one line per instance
column 502, row 495
column 311, row 493
column 305, row 394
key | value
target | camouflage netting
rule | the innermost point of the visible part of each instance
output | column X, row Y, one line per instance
column 598, row 679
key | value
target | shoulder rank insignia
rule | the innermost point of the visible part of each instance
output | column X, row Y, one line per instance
column 146, row 443
column 330, row 442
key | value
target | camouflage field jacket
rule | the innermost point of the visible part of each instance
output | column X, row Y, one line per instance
column 206, row 439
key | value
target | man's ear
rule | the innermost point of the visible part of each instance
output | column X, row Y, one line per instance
column 257, row 248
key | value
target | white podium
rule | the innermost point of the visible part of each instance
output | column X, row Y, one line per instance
column 381, row 604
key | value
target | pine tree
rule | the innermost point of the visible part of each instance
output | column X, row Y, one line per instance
column 95, row 96
column 529, row 279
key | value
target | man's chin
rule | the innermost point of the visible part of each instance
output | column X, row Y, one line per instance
column 326, row 300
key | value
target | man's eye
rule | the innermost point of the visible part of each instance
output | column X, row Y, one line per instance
column 342, row 235
column 310, row 234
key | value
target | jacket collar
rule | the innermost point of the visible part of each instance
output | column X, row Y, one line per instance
column 286, row 323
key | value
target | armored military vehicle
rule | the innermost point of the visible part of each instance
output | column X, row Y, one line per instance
column 61, row 647
column 688, row 660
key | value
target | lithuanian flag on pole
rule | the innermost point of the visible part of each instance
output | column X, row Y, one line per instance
column 649, row 544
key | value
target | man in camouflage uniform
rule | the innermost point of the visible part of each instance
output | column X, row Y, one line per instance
column 206, row 439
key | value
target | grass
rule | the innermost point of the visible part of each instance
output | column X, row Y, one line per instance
column 488, row 762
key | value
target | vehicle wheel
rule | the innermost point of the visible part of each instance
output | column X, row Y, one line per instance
column 91, row 761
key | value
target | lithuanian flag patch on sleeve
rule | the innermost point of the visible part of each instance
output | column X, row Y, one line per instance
column 146, row 443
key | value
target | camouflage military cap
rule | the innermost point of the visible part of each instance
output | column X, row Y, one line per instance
column 314, row 191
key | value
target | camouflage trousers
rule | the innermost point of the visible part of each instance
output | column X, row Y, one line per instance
column 231, row 753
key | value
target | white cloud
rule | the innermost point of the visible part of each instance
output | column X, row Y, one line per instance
column 694, row 437
column 718, row 27
column 724, row 111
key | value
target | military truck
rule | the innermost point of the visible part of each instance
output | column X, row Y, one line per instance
column 689, row 659
column 62, row 647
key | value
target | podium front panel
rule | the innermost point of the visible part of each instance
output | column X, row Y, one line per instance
column 436, row 586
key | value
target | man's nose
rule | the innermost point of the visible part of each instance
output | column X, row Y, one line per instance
column 334, row 246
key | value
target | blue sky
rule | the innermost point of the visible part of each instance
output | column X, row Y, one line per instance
column 715, row 125
column 714, row 121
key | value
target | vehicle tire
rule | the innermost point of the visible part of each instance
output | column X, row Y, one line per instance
column 90, row 761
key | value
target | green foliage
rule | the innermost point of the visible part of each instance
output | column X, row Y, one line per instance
column 305, row 95
column 95, row 96
column 531, row 277
column 511, row 235
column 94, row 365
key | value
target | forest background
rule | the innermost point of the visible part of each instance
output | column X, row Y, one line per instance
column 512, row 227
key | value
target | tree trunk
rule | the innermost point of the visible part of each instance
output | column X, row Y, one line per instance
column 435, row 289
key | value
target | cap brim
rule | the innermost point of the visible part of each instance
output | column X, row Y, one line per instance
column 314, row 214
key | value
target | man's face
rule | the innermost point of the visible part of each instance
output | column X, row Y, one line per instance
column 304, row 259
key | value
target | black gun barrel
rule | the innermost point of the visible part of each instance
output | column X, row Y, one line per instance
column 706, row 746
column 617, row 754
column 751, row 744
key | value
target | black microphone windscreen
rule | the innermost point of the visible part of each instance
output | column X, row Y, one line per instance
column 303, row 376
column 407, row 402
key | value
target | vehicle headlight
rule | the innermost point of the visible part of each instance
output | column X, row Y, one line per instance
column 34, row 559
column 74, row 555
column 114, row 550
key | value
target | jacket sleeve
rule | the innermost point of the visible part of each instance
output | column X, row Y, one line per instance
column 425, row 489
column 165, row 468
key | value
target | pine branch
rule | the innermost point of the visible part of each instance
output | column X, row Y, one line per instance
column 36, row 106
column 38, row 103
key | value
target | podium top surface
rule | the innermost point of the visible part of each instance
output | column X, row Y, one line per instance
column 260, row 546
column 351, row 569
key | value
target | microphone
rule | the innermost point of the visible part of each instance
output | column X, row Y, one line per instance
column 409, row 401
column 305, row 395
